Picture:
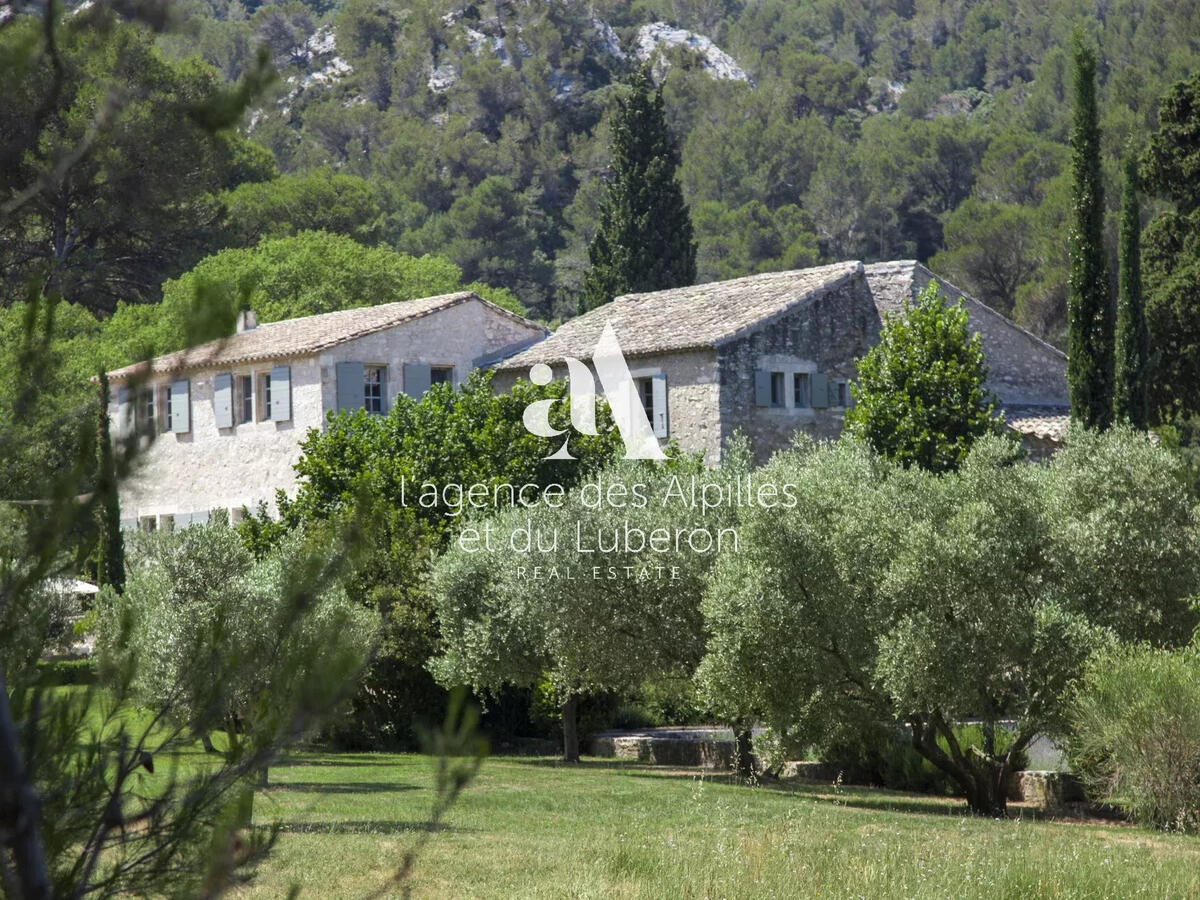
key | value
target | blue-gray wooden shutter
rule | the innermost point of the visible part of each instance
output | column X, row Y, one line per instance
column 416, row 379
column 658, row 392
column 223, row 400
column 351, row 386
column 124, row 413
column 281, row 393
column 762, row 388
column 181, row 406
column 818, row 389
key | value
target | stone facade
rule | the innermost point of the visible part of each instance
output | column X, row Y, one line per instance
column 714, row 390
column 184, row 477
column 823, row 336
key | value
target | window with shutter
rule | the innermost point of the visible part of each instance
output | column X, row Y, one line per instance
column 801, row 396
column 243, row 399
column 375, row 389
column 819, row 389
column 281, row 394
column 441, row 375
column 777, row 397
column 417, row 379
column 181, row 406
column 146, row 421
column 658, row 416
column 350, row 384
column 264, row 396
column 223, row 400
column 644, row 389
column 124, row 412
column 762, row 388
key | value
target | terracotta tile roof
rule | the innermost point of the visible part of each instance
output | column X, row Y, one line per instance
column 703, row 315
column 1047, row 423
column 304, row 336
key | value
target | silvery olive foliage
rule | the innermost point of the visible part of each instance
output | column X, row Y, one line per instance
column 894, row 595
column 220, row 639
column 593, row 620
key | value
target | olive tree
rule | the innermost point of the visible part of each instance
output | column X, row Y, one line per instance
column 201, row 627
column 897, row 597
column 599, row 593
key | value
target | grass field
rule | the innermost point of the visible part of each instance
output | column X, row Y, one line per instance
column 531, row 828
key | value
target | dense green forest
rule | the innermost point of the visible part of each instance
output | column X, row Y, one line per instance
column 809, row 131
column 395, row 149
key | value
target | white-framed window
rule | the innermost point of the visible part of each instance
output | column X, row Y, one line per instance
column 166, row 523
column 801, row 390
column 441, row 375
column 374, row 388
column 842, row 390
column 148, row 524
column 650, row 389
column 243, row 399
column 146, row 408
column 264, row 396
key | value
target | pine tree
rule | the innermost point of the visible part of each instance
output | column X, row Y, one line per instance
column 644, row 241
column 1133, row 338
column 110, row 557
column 1090, row 310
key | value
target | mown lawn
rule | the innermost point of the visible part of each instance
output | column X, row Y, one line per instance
column 531, row 828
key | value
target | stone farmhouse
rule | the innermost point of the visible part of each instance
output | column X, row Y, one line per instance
column 768, row 355
column 230, row 414
column 774, row 354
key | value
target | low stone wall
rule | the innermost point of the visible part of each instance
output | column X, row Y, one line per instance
column 713, row 748
column 808, row 770
column 701, row 748
column 1050, row 789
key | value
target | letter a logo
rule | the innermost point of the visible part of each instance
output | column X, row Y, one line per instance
column 619, row 391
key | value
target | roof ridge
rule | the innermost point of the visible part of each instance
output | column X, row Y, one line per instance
column 377, row 318
column 993, row 312
column 855, row 269
column 690, row 316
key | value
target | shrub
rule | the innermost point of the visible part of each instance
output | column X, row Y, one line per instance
column 63, row 672
column 1136, row 733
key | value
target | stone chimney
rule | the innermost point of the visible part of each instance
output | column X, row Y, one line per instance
column 247, row 320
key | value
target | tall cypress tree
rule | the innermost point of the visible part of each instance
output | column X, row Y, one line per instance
column 1133, row 337
column 110, row 556
column 644, row 241
column 1091, row 313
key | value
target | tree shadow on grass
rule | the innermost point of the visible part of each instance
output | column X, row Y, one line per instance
column 381, row 826
column 875, row 799
column 349, row 787
column 323, row 762
column 553, row 762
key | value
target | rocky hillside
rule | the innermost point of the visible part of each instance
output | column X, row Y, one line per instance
column 825, row 130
